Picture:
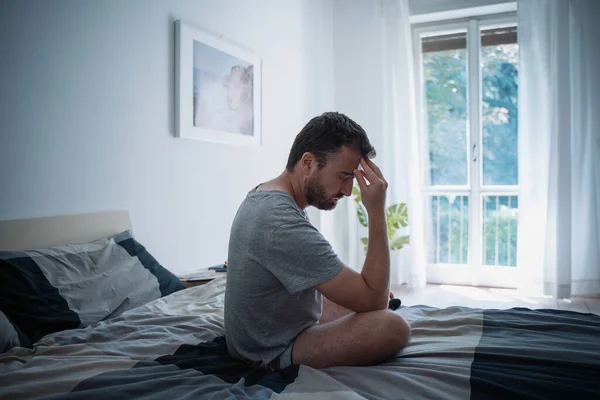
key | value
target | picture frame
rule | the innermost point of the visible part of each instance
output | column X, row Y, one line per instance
column 218, row 89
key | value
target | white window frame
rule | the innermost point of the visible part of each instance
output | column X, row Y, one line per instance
column 474, row 272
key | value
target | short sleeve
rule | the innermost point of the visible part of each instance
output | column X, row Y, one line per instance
column 300, row 257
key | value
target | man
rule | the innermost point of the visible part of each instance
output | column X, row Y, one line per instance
column 280, row 266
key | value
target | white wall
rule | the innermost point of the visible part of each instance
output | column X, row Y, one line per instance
column 357, row 81
column 87, row 113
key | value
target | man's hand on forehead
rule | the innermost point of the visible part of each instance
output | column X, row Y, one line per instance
column 372, row 185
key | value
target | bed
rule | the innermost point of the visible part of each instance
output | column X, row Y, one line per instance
column 174, row 346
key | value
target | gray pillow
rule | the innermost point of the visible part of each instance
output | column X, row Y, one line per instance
column 72, row 286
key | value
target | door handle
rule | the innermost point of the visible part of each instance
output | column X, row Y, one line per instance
column 474, row 153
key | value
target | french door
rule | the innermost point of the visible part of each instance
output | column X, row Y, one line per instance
column 467, row 75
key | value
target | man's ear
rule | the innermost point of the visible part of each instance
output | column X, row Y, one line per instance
column 307, row 162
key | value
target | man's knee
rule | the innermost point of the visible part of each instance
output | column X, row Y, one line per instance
column 394, row 331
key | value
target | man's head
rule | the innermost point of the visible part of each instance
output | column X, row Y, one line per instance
column 324, row 156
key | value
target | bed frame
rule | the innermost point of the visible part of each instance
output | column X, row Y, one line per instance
column 31, row 233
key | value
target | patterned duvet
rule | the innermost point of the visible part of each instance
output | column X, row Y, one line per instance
column 174, row 348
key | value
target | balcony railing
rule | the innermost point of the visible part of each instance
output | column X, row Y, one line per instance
column 450, row 235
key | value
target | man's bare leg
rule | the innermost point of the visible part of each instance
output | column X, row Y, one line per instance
column 356, row 339
column 332, row 311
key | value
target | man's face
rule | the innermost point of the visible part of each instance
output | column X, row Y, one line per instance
column 325, row 186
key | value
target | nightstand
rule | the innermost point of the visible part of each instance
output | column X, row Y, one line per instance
column 199, row 277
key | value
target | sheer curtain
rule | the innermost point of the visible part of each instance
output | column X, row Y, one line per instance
column 400, row 151
column 375, row 85
column 559, row 146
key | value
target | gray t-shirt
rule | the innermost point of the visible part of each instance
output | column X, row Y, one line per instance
column 276, row 258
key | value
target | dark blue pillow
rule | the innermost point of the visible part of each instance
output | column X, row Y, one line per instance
column 10, row 335
column 168, row 282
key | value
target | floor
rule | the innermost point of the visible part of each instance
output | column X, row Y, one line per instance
column 447, row 295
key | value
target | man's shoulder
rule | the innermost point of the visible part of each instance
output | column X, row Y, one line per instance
column 272, row 196
column 272, row 205
column 261, row 215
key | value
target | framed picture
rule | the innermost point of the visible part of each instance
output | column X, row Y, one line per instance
column 218, row 89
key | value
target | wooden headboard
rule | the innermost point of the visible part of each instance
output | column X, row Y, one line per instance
column 31, row 233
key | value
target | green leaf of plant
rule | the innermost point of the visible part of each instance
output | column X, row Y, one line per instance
column 389, row 211
column 356, row 193
column 396, row 218
column 400, row 242
column 365, row 242
column 362, row 215
column 391, row 232
column 392, row 216
column 403, row 211
column 398, row 221
column 402, row 208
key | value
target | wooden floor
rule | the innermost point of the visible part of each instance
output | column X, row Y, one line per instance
column 442, row 296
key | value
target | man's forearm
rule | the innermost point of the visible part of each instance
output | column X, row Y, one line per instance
column 376, row 270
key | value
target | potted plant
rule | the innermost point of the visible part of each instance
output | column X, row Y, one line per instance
column 396, row 216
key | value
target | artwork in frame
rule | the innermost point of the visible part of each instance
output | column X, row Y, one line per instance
column 218, row 89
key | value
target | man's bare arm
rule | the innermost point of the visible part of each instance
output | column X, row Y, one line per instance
column 368, row 290
column 376, row 269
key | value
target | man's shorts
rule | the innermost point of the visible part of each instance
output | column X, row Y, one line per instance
column 284, row 360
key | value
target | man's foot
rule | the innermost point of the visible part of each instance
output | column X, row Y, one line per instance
column 394, row 304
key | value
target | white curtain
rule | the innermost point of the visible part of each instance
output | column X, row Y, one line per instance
column 375, row 85
column 400, row 151
column 559, row 146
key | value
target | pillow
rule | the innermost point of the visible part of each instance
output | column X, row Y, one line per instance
column 73, row 286
column 10, row 335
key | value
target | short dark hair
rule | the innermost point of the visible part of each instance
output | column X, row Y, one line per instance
column 324, row 135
